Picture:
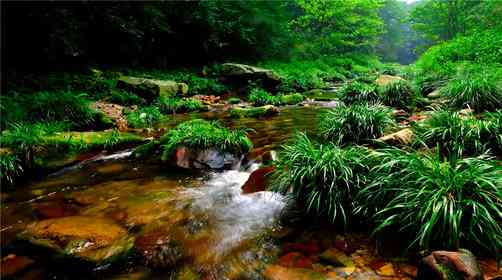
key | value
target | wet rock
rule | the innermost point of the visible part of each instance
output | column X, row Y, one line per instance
column 295, row 259
column 257, row 181
column 254, row 112
column 402, row 137
column 54, row 209
column 245, row 72
column 336, row 258
column 207, row 99
column 12, row 264
column 308, row 248
column 158, row 249
column 89, row 238
column 446, row 265
column 209, row 158
column 387, row 270
column 408, row 270
column 384, row 80
column 277, row 272
column 151, row 89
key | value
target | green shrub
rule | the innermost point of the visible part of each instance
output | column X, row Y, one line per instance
column 144, row 117
column 438, row 203
column 477, row 87
column 355, row 92
column 357, row 123
column 10, row 168
column 50, row 107
column 397, row 94
column 169, row 105
column 291, row 99
column 200, row 135
column 456, row 135
column 123, row 98
column 234, row 100
column 260, row 97
column 322, row 178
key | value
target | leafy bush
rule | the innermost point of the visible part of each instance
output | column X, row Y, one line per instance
column 357, row 123
column 169, row 105
column 234, row 100
column 50, row 107
column 355, row 92
column 291, row 99
column 144, row 117
column 456, row 135
column 260, row 97
column 200, row 134
column 10, row 168
column 439, row 204
column 322, row 178
column 478, row 87
column 397, row 94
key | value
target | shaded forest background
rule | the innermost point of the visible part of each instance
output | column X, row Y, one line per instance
column 65, row 35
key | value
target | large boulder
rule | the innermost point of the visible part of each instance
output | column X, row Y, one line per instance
column 257, row 181
column 150, row 89
column 446, row 265
column 384, row 80
column 243, row 72
column 92, row 239
column 254, row 112
column 185, row 157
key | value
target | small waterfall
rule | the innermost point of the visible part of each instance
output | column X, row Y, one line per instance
column 237, row 216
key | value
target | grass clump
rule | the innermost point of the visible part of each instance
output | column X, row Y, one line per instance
column 234, row 100
column 168, row 105
column 49, row 107
column 291, row 99
column 398, row 94
column 357, row 92
column 438, row 203
column 357, row 123
column 260, row 97
column 322, row 178
column 478, row 87
column 456, row 135
column 201, row 135
column 11, row 167
column 144, row 117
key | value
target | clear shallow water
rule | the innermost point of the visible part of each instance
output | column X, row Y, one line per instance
column 204, row 211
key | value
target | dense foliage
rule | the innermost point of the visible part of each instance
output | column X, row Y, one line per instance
column 200, row 134
column 324, row 178
column 438, row 203
column 357, row 123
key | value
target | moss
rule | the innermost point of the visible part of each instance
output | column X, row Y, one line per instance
column 256, row 112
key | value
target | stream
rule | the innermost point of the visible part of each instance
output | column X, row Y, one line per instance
column 213, row 230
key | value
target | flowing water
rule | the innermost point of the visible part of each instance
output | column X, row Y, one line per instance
column 222, row 232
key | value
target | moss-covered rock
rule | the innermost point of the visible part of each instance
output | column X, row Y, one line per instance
column 92, row 239
column 247, row 72
column 384, row 80
column 254, row 112
column 151, row 89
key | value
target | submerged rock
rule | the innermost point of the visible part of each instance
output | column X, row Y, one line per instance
column 158, row 249
column 277, row 272
column 12, row 264
column 246, row 72
column 89, row 238
column 446, row 265
column 254, row 112
column 257, row 181
column 150, row 89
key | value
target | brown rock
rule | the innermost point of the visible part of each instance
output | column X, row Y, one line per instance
column 12, row 264
column 446, row 265
column 277, row 272
column 402, row 137
column 384, row 80
column 336, row 258
column 257, row 181
column 295, row 259
column 158, row 249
